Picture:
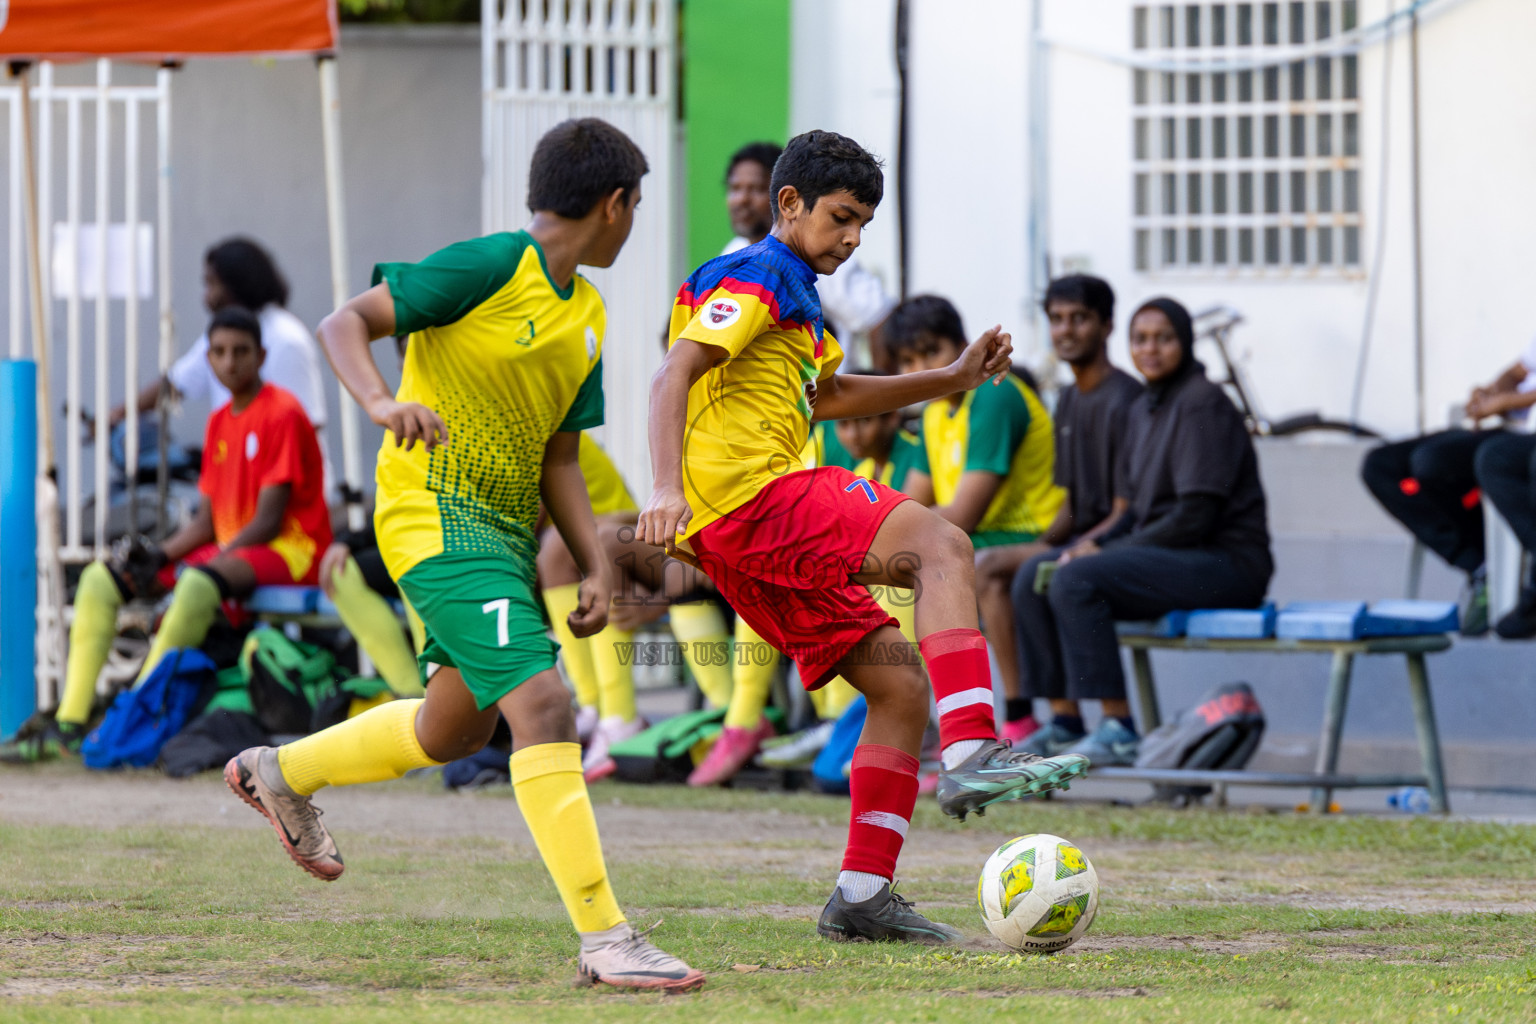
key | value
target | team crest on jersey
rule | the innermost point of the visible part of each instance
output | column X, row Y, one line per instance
column 525, row 337
column 591, row 343
column 252, row 446
column 721, row 313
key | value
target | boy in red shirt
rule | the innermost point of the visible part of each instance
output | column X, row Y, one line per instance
column 262, row 521
column 793, row 550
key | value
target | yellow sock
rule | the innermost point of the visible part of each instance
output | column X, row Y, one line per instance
column 575, row 652
column 612, row 657
column 194, row 604
column 833, row 699
column 372, row 622
column 753, row 664
column 700, row 629
column 97, row 600
column 553, row 797
column 376, row 745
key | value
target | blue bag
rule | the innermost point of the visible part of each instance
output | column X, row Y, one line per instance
column 827, row 769
column 142, row 719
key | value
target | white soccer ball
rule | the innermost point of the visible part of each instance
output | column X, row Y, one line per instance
column 1038, row 893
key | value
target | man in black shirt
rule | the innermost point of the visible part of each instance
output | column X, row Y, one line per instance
column 1089, row 428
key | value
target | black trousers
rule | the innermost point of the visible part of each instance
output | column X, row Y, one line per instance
column 1506, row 471
column 1429, row 484
column 1066, row 637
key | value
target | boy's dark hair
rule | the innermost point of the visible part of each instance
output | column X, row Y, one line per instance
column 920, row 323
column 248, row 273
column 764, row 154
column 236, row 318
column 819, row 163
column 1092, row 292
column 578, row 163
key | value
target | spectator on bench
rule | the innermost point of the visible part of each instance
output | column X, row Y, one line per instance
column 1430, row 484
column 1506, row 473
column 263, row 521
column 1090, row 431
column 991, row 460
column 239, row 272
column 1194, row 536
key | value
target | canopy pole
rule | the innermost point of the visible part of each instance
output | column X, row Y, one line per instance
column 48, row 649
column 336, row 218
column 1418, row 244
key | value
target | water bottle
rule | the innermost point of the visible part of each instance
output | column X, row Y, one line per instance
column 1410, row 800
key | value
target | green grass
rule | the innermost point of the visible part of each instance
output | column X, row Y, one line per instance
column 1204, row 916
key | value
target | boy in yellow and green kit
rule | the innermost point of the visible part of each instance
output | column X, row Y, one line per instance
column 503, row 372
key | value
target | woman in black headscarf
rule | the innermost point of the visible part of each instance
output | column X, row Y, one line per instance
column 1194, row 536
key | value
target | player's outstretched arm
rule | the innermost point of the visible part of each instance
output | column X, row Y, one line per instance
column 845, row 396
column 565, row 496
column 347, row 336
column 666, row 513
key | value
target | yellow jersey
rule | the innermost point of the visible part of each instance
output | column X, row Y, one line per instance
column 1001, row 429
column 605, row 486
column 506, row 358
column 907, row 454
column 749, row 418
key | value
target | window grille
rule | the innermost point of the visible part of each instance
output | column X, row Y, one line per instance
column 1249, row 160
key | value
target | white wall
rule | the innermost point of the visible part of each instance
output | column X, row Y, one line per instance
column 969, row 96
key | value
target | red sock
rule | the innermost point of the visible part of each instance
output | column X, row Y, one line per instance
column 962, row 684
column 883, row 784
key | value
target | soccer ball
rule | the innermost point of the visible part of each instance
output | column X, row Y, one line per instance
column 1038, row 893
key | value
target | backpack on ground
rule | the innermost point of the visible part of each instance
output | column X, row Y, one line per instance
column 141, row 720
column 297, row 688
column 670, row 750
column 210, row 740
column 1219, row 733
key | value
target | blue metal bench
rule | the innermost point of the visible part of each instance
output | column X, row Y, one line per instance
column 1343, row 629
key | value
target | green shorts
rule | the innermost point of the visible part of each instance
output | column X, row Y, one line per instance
column 482, row 617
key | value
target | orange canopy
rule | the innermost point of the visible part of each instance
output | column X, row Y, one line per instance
column 164, row 29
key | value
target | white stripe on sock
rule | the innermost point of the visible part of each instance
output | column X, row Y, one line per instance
column 964, row 699
column 884, row 819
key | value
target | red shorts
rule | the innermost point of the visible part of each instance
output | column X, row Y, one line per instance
column 268, row 565
column 785, row 559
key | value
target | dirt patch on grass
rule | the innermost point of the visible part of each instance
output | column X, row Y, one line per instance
column 1074, row 993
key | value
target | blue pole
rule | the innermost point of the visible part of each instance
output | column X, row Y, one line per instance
column 18, row 543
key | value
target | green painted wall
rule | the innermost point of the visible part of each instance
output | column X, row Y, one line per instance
column 735, row 91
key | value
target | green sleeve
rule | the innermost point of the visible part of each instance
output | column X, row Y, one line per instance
column 587, row 410
column 908, row 455
column 445, row 286
column 999, row 420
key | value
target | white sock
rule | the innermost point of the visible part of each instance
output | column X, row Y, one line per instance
column 607, row 937
column 959, row 751
column 858, row 886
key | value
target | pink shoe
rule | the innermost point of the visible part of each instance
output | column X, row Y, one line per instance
column 731, row 752
column 601, row 770
column 1020, row 730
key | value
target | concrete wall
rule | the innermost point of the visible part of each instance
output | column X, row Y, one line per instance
column 969, row 101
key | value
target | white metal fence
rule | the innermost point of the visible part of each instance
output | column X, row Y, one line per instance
column 544, row 61
column 104, row 248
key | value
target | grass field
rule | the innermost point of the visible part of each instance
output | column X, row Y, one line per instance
column 134, row 898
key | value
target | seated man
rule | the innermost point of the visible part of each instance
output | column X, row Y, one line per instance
column 1090, row 432
column 1194, row 534
column 263, row 521
column 1506, row 473
column 991, row 458
column 1430, row 485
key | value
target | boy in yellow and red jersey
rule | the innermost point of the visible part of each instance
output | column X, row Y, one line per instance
column 503, row 372
column 262, row 521
column 750, row 365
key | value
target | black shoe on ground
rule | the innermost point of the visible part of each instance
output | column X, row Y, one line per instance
column 884, row 917
column 1520, row 624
